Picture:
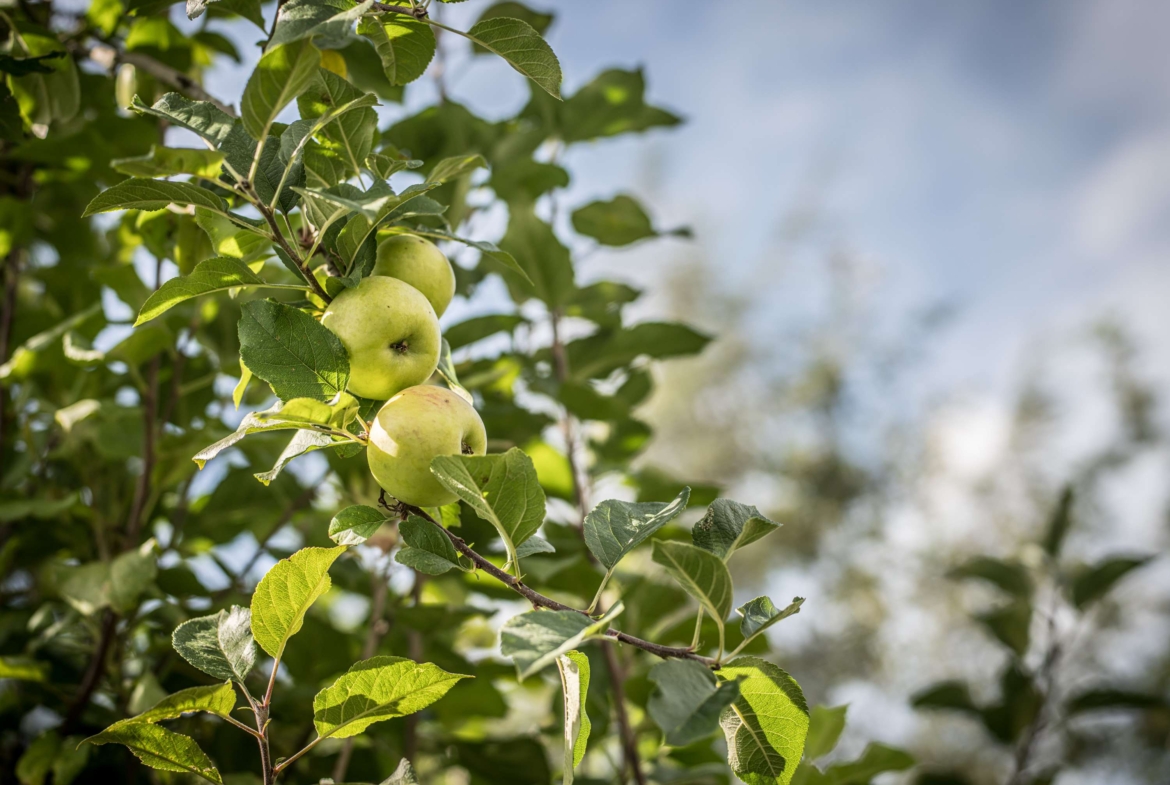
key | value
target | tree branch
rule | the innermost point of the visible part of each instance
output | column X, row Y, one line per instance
column 417, row 12
column 109, row 56
column 617, row 680
column 306, row 273
column 539, row 600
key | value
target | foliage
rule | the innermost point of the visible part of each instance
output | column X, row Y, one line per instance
column 143, row 311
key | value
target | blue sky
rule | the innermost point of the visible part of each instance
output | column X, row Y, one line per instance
column 1011, row 159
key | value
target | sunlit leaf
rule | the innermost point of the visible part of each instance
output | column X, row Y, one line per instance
column 286, row 592
column 220, row 645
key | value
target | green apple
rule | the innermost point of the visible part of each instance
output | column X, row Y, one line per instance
column 414, row 427
column 391, row 333
column 421, row 264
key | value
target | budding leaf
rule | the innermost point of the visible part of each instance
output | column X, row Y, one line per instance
column 574, row 670
column 285, row 593
column 614, row 528
column 535, row 639
column 728, row 526
column 292, row 351
column 760, row 614
column 380, row 688
column 687, row 700
column 355, row 524
column 766, row 725
column 161, row 749
column 220, row 645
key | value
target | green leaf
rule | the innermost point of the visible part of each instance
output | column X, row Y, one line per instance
column 147, row 195
column 301, row 443
column 117, row 584
column 428, row 549
column 219, row 700
column 355, row 524
column 280, row 76
column 479, row 327
column 824, row 729
column 22, row 669
column 1110, row 699
column 285, row 593
column 599, row 355
column 526, row 180
column 403, row 775
column 760, row 614
column 1095, row 582
column 455, row 167
column 271, row 420
column 329, row 22
column 405, row 46
column 534, row 640
column 161, row 749
column 534, row 545
column 728, row 526
column 703, row 575
column 200, row 117
column 687, row 701
column 502, row 490
column 230, row 239
column 351, row 132
column 23, row 66
column 1060, row 522
column 522, row 48
column 220, row 645
column 377, row 689
column 614, row 528
column 574, row 670
column 292, row 351
column 542, row 258
column 948, row 695
column 620, row 221
column 1011, row 624
column 213, row 275
column 613, row 103
column 1010, row 576
column 876, row 759
column 537, row 20
column 167, row 161
column 766, row 726
column 490, row 250
column 383, row 166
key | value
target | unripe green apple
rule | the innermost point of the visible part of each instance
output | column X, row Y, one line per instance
column 421, row 264
column 391, row 333
column 414, row 427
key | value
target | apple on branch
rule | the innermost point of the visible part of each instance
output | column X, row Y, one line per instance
column 391, row 334
column 412, row 429
column 421, row 264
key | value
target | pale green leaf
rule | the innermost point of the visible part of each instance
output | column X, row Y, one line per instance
column 330, row 22
column 220, row 645
column 302, row 442
column 167, row 161
column 703, row 575
column 522, row 47
column 760, row 614
column 380, row 688
column 502, row 490
column 285, row 593
column 219, row 700
column 574, row 670
column 543, row 259
column 620, row 221
column 228, row 238
column 456, row 166
column 355, row 524
column 535, row 639
column 161, row 749
column 876, row 759
column 534, row 545
column 213, row 275
column 267, row 420
column 23, row 669
column 200, row 117
column 614, row 528
column 280, row 76
column 427, row 549
column 344, row 114
column 403, row 775
column 687, row 701
column 292, row 351
column 405, row 46
column 1093, row 583
column 142, row 194
column 825, row 725
column 766, row 726
column 728, row 526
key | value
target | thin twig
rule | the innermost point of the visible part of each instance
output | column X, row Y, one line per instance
column 539, row 600
column 109, row 56
column 417, row 12
column 617, row 678
column 93, row 673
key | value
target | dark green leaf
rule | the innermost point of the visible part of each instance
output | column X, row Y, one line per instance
column 687, row 701
column 161, row 749
column 522, row 47
column 760, row 614
column 291, row 351
column 143, row 194
column 280, row 76
column 1060, row 522
column 220, row 645
column 355, row 524
column 1010, row 576
column 535, row 639
column 824, row 729
column 427, row 548
column 614, row 528
column 1011, row 624
column 618, row 222
column 1098, row 580
column 728, row 526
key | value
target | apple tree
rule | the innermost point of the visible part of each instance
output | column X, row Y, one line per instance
column 265, row 302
